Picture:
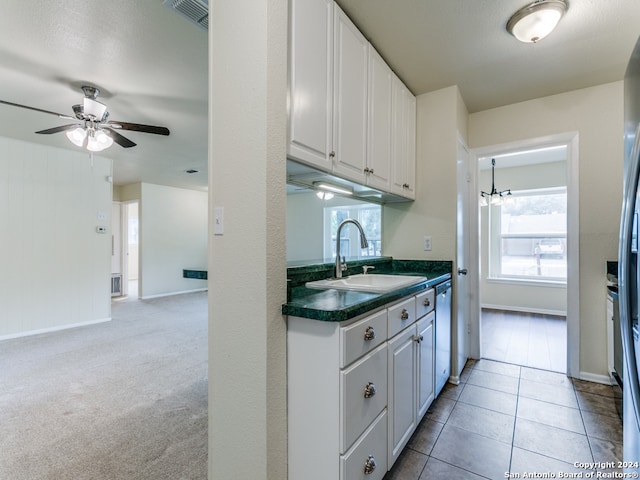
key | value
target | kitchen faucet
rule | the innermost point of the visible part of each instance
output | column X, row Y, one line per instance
column 341, row 266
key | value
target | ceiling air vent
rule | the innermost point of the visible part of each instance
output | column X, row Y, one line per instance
column 196, row 11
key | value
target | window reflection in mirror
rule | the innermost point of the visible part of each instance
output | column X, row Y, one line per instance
column 312, row 223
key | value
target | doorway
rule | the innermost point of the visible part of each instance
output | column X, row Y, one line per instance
column 529, row 313
column 131, row 249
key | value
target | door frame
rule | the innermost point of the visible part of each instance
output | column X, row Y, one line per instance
column 467, row 303
column 570, row 139
column 125, row 246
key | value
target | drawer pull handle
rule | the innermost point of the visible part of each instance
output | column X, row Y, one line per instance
column 426, row 302
column 369, row 390
column 369, row 334
column 369, row 465
column 404, row 315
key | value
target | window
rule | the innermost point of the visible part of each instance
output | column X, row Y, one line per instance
column 368, row 215
column 528, row 236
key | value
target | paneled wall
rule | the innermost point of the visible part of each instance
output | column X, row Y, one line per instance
column 55, row 268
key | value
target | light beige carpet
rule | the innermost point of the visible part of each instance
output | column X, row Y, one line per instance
column 125, row 399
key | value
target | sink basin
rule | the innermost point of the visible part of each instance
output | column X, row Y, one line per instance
column 376, row 283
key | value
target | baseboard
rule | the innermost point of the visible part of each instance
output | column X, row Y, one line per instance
column 171, row 294
column 540, row 311
column 593, row 377
column 53, row 329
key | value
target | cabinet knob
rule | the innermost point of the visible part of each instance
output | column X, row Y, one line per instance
column 369, row 465
column 369, row 390
column 419, row 338
column 369, row 334
column 404, row 315
column 332, row 154
column 405, row 185
column 426, row 302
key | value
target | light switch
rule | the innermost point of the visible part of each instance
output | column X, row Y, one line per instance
column 218, row 220
column 427, row 244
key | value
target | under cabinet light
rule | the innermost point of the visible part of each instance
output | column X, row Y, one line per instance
column 333, row 188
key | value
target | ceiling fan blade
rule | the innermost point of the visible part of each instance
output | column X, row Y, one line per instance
column 62, row 128
column 137, row 127
column 119, row 139
column 59, row 115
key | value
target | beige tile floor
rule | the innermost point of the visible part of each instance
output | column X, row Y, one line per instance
column 530, row 339
column 506, row 419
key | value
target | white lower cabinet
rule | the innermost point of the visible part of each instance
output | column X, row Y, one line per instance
column 357, row 389
column 426, row 367
column 367, row 459
column 402, row 390
column 411, row 381
column 363, row 388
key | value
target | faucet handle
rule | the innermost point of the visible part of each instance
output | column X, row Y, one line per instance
column 343, row 264
column 366, row 268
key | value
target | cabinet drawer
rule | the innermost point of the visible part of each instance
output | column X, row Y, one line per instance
column 425, row 302
column 363, row 389
column 362, row 337
column 401, row 315
column 369, row 450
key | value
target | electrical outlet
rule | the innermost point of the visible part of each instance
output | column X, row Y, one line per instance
column 427, row 243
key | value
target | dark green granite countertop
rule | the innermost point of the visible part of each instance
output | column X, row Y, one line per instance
column 339, row 305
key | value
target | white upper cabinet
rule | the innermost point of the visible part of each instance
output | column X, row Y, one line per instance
column 350, row 98
column 349, row 114
column 378, row 168
column 311, row 82
column 403, row 140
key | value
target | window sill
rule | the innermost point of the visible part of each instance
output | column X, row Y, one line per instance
column 528, row 282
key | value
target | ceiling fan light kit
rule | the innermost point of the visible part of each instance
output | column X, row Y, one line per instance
column 96, row 132
column 536, row 20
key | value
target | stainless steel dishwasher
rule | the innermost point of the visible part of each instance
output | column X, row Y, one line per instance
column 443, row 334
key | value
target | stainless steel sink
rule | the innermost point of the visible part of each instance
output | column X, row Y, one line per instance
column 375, row 283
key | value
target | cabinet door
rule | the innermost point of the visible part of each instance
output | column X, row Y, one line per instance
column 410, row 145
column 399, row 135
column 311, row 82
column 403, row 140
column 379, row 127
column 350, row 98
column 401, row 386
column 426, row 373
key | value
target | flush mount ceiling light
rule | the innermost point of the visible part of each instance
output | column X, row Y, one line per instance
column 494, row 197
column 537, row 20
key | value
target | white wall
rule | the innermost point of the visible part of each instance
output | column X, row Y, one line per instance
column 247, row 287
column 173, row 236
column 513, row 296
column 597, row 115
column 55, row 268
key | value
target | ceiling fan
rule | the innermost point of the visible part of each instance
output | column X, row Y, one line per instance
column 95, row 132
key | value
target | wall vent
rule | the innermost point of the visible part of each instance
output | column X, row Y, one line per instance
column 196, row 11
column 116, row 284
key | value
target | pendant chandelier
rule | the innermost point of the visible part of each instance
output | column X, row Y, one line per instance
column 494, row 197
